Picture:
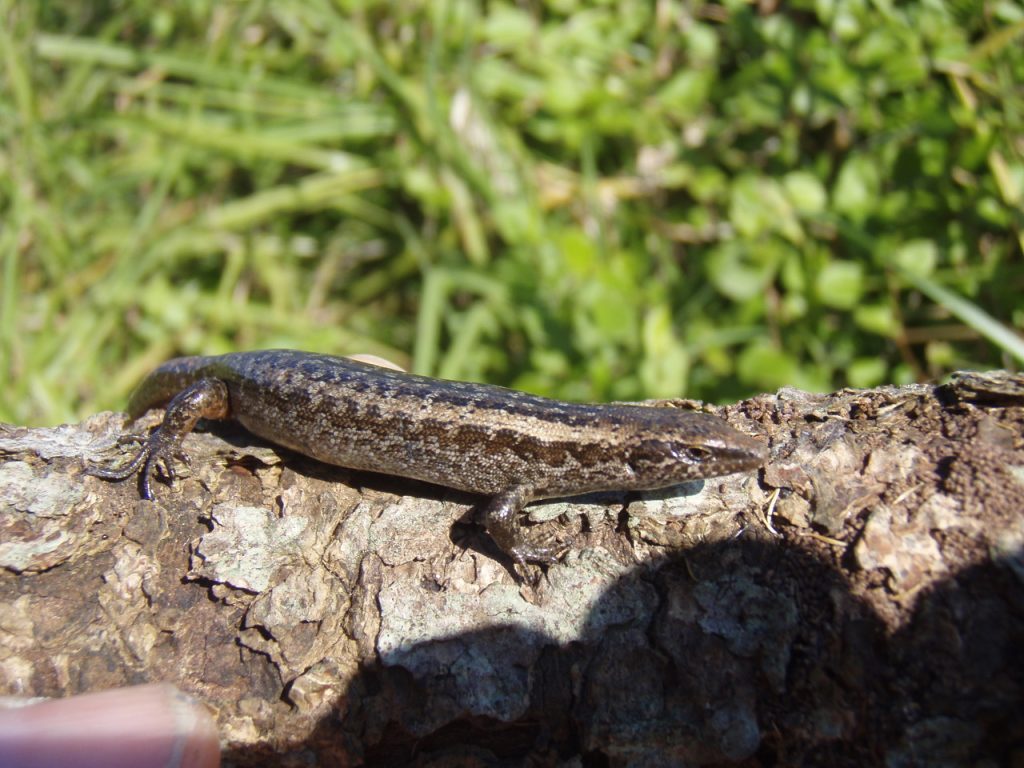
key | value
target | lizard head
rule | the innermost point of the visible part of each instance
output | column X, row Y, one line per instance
column 690, row 446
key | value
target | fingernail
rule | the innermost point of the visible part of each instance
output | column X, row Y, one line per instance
column 147, row 725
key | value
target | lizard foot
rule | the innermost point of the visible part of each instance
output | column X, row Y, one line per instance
column 157, row 454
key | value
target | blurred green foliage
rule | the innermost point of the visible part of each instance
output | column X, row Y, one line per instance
column 593, row 200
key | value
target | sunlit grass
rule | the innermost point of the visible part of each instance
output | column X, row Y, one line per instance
column 603, row 202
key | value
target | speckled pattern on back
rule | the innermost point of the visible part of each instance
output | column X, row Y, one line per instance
column 474, row 437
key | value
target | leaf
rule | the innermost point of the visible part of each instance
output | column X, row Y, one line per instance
column 876, row 318
column 763, row 365
column 805, row 192
column 866, row 372
column 735, row 274
column 666, row 362
column 857, row 188
column 917, row 257
column 840, row 284
column 758, row 207
column 686, row 93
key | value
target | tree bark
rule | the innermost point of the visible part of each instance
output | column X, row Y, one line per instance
column 857, row 601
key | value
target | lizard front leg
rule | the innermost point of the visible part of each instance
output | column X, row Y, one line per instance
column 501, row 520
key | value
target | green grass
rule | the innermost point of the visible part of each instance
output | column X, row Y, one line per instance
column 604, row 200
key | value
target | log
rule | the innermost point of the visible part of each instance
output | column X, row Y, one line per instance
column 857, row 601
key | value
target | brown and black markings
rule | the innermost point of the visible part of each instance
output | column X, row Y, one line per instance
column 510, row 445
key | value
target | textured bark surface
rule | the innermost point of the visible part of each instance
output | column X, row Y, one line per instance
column 860, row 600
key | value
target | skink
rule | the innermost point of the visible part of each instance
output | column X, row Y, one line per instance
column 509, row 445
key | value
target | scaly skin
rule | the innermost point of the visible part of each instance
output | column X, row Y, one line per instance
column 509, row 445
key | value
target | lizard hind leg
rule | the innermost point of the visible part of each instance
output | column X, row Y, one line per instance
column 203, row 399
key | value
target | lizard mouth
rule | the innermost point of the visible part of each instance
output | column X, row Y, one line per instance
column 739, row 453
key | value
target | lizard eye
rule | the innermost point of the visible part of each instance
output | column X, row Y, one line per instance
column 695, row 453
